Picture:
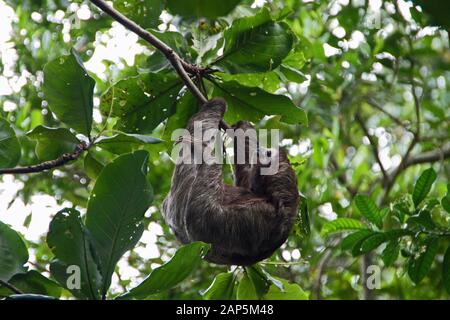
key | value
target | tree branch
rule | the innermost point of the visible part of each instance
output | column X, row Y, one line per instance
column 47, row 165
column 178, row 64
column 429, row 156
column 416, row 138
column 10, row 287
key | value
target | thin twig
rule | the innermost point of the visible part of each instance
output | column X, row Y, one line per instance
column 10, row 287
column 47, row 165
column 375, row 105
column 374, row 147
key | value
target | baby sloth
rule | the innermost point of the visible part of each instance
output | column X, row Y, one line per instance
column 244, row 223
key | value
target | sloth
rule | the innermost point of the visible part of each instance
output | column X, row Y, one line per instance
column 245, row 222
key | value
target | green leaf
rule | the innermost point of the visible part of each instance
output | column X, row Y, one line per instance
column 437, row 10
column 201, row 8
column 255, row 44
column 142, row 102
column 423, row 186
column 259, row 280
column 423, row 219
column 70, row 243
column 296, row 58
column 32, row 282
column 144, row 12
column 116, row 207
column 92, row 166
column 183, row 263
column 290, row 74
column 420, row 264
column 13, row 253
column 52, row 142
column 222, row 287
column 390, row 253
column 369, row 243
column 445, row 202
column 252, row 104
column 69, row 91
column 186, row 107
column 273, row 280
column 349, row 242
column 446, row 270
column 292, row 292
column 267, row 81
column 341, row 224
column 246, row 289
column 125, row 142
column 9, row 146
column 369, row 210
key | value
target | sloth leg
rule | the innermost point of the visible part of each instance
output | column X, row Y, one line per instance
column 245, row 144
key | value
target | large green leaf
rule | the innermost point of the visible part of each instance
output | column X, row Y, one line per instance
column 423, row 186
column 32, row 282
column 69, row 91
column 255, row 44
column 71, row 245
column 201, row 8
column 13, row 253
column 419, row 265
column 142, row 102
column 52, row 142
column 9, row 145
column 183, row 263
column 446, row 270
column 341, row 224
column 369, row 210
column 221, row 288
column 246, row 289
column 92, row 165
column 144, row 12
column 124, row 143
column 252, row 103
column 291, row 291
column 116, row 207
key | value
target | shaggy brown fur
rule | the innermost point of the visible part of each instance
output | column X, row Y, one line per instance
column 244, row 223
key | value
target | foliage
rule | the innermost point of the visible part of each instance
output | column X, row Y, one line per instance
column 359, row 94
column 411, row 231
